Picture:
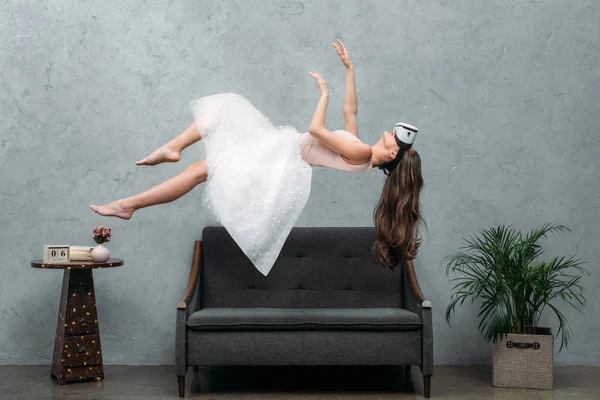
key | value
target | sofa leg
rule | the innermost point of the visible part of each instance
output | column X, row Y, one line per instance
column 427, row 385
column 181, row 385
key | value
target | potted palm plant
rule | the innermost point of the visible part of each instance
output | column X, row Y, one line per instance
column 500, row 268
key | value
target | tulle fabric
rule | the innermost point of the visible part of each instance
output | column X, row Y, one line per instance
column 258, row 183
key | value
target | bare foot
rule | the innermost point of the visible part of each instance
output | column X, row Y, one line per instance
column 160, row 155
column 114, row 209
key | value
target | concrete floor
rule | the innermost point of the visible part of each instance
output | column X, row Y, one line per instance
column 291, row 383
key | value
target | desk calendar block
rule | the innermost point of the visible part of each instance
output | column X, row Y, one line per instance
column 56, row 254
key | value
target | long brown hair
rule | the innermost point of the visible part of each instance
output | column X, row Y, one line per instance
column 397, row 215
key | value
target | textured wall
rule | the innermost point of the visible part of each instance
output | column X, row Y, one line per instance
column 505, row 93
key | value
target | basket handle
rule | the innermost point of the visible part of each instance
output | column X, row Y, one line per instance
column 520, row 345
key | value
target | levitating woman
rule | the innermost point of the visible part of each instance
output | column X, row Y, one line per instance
column 257, row 176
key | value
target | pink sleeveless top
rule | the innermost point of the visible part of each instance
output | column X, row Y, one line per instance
column 315, row 153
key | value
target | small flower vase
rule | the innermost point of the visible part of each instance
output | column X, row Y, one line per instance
column 100, row 253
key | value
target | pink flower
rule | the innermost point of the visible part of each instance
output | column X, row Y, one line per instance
column 102, row 234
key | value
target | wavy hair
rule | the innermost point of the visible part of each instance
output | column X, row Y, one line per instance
column 397, row 215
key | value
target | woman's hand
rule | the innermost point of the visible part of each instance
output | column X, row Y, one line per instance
column 321, row 84
column 340, row 48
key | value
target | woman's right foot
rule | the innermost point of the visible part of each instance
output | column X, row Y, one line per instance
column 160, row 155
column 114, row 209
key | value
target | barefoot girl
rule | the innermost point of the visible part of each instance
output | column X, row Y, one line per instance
column 257, row 176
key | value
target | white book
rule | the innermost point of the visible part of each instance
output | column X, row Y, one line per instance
column 81, row 258
column 82, row 253
column 80, row 248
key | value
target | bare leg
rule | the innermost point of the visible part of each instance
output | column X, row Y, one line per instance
column 206, row 118
column 171, row 151
column 165, row 192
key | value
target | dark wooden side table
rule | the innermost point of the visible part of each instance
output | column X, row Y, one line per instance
column 77, row 351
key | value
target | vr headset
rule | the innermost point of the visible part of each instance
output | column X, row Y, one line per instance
column 405, row 135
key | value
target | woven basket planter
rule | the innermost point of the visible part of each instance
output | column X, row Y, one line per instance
column 524, row 361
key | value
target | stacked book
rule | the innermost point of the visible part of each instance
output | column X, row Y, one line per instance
column 80, row 253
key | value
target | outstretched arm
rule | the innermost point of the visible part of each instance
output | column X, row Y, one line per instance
column 355, row 150
column 350, row 102
column 318, row 121
column 350, row 99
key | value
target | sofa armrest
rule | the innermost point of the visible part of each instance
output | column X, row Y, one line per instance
column 183, row 312
column 413, row 286
column 416, row 302
column 193, row 280
column 181, row 341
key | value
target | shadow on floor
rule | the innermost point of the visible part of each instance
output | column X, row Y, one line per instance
column 300, row 379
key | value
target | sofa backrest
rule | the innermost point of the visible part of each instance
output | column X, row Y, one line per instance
column 318, row 267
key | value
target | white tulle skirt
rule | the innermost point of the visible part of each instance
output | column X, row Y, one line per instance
column 258, row 183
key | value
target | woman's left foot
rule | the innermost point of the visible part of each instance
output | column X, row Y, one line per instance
column 114, row 209
column 166, row 153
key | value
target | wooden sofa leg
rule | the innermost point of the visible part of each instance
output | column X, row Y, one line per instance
column 181, row 385
column 427, row 385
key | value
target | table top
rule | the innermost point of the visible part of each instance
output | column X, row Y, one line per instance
column 110, row 263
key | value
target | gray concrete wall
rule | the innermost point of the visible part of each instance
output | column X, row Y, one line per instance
column 505, row 93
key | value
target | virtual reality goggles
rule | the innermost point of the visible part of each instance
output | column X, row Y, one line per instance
column 405, row 135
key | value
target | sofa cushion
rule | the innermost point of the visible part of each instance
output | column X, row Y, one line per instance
column 318, row 267
column 303, row 318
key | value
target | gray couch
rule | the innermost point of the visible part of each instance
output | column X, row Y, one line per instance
column 325, row 302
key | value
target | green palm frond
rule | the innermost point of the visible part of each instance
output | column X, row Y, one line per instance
column 499, row 268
